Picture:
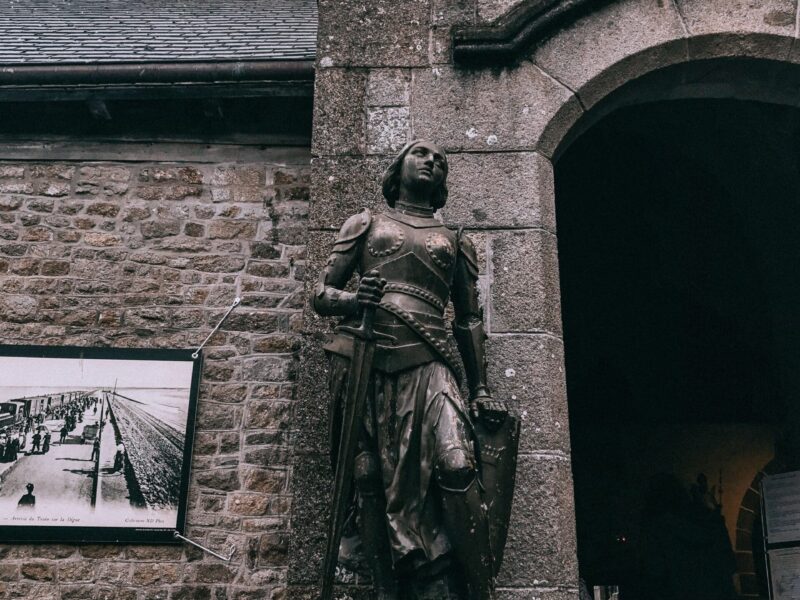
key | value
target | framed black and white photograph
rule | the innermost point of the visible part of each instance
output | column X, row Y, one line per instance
column 95, row 443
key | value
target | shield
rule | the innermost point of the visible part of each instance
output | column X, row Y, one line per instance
column 498, row 459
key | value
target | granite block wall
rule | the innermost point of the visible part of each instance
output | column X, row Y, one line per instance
column 386, row 75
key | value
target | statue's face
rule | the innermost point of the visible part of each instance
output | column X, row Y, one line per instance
column 423, row 166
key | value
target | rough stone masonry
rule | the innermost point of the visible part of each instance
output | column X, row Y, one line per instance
column 151, row 254
column 386, row 74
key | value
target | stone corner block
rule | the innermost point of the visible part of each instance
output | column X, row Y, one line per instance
column 541, row 549
column 376, row 33
column 318, row 249
column 525, row 294
column 499, row 189
column 343, row 186
column 388, row 129
column 310, row 421
column 389, row 87
column 502, row 109
column 527, row 371
column 339, row 118
column 310, row 485
column 454, row 12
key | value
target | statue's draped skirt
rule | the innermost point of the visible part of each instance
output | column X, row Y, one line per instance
column 412, row 417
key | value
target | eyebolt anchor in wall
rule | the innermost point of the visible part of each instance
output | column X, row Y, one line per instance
column 236, row 303
column 178, row 536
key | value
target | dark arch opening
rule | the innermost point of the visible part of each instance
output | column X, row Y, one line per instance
column 678, row 228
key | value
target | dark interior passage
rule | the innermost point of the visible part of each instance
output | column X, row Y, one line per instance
column 679, row 247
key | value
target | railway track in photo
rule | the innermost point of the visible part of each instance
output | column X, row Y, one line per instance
column 154, row 450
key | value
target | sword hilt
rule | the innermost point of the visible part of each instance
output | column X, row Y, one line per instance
column 366, row 330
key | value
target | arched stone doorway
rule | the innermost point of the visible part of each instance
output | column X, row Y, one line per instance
column 599, row 90
column 672, row 303
column 379, row 83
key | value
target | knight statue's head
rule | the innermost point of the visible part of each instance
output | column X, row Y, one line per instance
column 420, row 169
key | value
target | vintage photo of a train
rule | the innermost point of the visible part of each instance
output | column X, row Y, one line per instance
column 90, row 443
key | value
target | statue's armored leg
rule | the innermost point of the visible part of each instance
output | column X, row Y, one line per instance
column 372, row 526
column 466, row 520
column 439, row 587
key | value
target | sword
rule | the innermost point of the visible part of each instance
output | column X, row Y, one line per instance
column 364, row 338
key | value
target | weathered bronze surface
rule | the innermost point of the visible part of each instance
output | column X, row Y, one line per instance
column 423, row 479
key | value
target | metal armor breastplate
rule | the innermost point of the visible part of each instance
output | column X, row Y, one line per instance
column 416, row 256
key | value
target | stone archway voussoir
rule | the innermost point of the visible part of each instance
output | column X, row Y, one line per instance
column 629, row 68
column 609, row 46
column 739, row 44
column 720, row 28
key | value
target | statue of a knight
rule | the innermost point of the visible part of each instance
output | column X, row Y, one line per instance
column 430, row 495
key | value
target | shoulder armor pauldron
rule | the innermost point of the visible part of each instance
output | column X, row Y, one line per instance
column 467, row 251
column 352, row 230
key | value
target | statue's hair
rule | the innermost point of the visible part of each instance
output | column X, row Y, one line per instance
column 391, row 179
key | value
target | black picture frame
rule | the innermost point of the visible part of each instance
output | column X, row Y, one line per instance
column 137, row 499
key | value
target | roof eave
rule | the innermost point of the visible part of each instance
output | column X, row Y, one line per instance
column 156, row 72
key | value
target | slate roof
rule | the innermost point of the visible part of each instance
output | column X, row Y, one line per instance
column 116, row 31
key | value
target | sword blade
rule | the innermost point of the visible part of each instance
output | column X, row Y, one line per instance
column 354, row 401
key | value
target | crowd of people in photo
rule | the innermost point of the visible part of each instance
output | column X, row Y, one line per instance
column 34, row 425
column 31, row 428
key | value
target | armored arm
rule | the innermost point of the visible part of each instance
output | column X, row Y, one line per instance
column 471, row 336
column 329, row 297
column 468, row 327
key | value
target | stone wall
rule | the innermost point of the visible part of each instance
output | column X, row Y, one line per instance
column 385, row 75
column 149, row 249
